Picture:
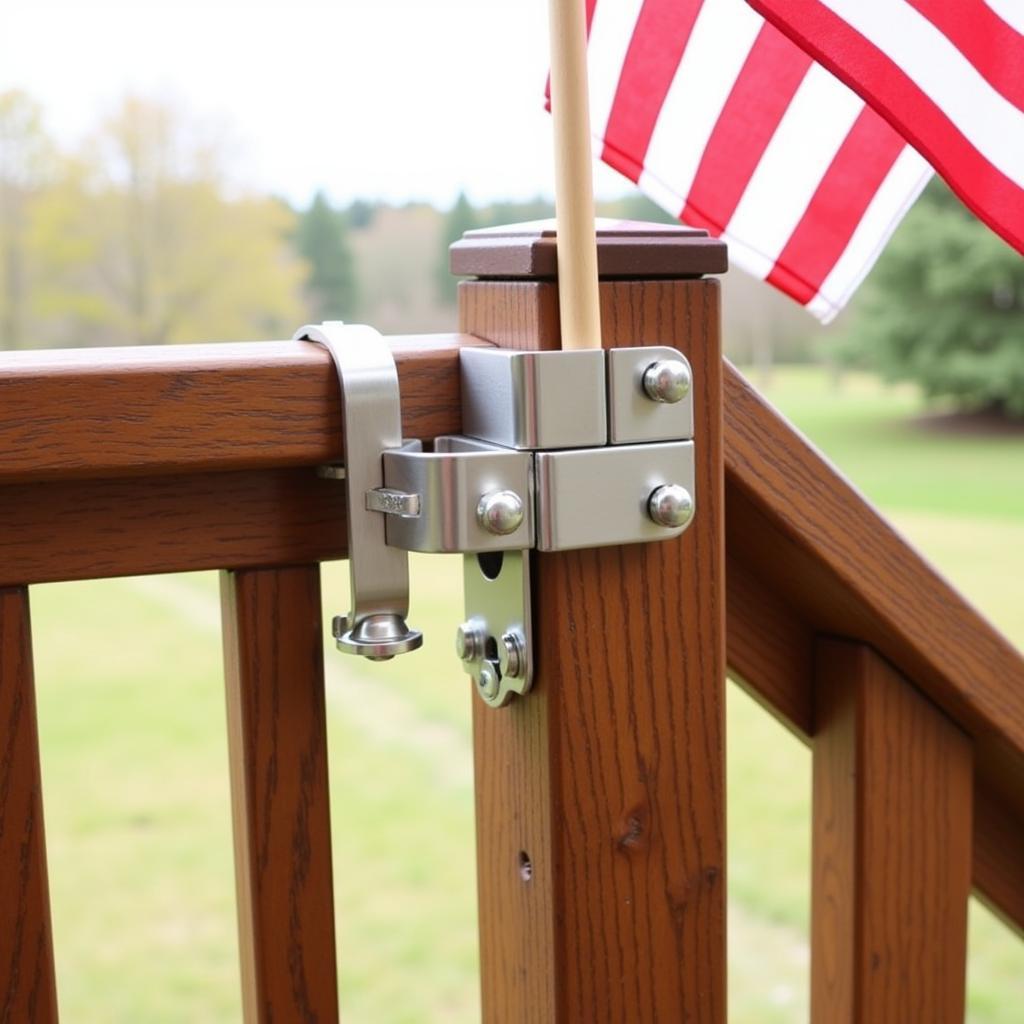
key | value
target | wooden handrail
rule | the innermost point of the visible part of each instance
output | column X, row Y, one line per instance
column 808, row 555
column 118, row 412
column 167, row 459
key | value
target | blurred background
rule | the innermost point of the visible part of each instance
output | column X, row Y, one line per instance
column 224, row 171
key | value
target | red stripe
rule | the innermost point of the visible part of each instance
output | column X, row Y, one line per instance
column 838, row 205
column 760, row 97
column 659, row 40
column 987, row 191
column 995, row 49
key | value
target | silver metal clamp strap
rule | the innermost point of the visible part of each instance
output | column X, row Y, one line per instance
column 372, row 423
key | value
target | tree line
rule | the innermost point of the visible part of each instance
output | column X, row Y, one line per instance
column 139, row 236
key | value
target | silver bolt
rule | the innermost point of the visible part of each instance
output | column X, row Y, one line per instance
column 500, row 512
column 488, row 682
column 513, row 645
column 467, row 642
column 667, row 380
column 670, row 505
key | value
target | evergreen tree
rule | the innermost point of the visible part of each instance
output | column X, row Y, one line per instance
column 360, row 214
column 459, row 219
column 945, row 307
column 322, row 240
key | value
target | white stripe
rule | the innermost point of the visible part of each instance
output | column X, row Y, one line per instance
column 1011, row 11
column 809, row 135
column 746, row 257
column 657, row 191
column 902, row 185
column 722, row 37
column 611, row 32
column 989, row 121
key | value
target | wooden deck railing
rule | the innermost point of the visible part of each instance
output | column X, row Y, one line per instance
column 609, row 777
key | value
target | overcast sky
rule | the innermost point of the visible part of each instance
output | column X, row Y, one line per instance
column 392, row 99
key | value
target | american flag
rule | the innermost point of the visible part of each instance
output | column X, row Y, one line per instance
column 729, row 125
column 948, row 74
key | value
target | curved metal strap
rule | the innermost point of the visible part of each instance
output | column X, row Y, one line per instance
column 372, row 424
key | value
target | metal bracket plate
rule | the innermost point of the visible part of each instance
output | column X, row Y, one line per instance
column 495, row 642
column 596, row 497
column 450, row 482
column 563, row 450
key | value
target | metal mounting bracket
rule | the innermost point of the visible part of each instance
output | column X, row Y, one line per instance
column 375, row 627
column 562, row 450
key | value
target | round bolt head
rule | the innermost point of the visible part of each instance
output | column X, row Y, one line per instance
column 467, row 642
column 670, row 505
column 667, row 380
column 378, row 637
column 500, row 512
column 488, row 682
column 513, row 660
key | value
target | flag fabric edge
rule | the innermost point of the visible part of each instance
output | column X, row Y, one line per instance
column 835, row 22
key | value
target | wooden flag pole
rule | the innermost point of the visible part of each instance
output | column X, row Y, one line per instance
column 574, row 185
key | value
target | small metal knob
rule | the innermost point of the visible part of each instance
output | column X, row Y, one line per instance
column 512, row 662
column 468, row 642
column 377, row 637
column 488, row 682
column 500, row 512
column 670, row 505
column 667, row 380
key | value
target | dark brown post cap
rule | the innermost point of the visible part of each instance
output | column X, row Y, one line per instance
column 625, row 249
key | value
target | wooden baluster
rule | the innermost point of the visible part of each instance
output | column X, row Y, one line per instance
column 891, row 847
column 600, row 814
column 278, row 749
column 28, row 990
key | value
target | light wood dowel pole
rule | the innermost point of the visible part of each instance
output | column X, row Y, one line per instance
column 574, row 187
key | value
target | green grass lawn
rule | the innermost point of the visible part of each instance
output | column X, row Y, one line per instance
column 135, row 769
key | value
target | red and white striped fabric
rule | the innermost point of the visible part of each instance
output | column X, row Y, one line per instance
column 727, row 124
column 947, row 74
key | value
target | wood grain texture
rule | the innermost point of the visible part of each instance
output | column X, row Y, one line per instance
column 190, row 408
column 891, row 847
column 28, row 990
column 770, row 651
column 278, row 752
column 999, row 857
column 769, row 648
column 89, row 529
column 794, row 520
column 609, row 777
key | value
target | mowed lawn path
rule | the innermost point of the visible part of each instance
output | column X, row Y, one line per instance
column 135, row 768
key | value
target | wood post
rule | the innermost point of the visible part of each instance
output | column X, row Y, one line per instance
column 891, row 847
column 600, row 796
column 28, row 989
column 278, row 749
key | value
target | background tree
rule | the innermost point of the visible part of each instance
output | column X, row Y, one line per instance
column 145, row 241
column 944, row 307
column 360, row 214
column 457, row 221
column 321, row 238
column 25, row 159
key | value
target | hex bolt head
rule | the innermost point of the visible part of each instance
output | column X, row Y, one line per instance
column 514, row 662
column 667, row 380
column 670, row 505
column 500, row 512
column 467, row 642
column 488, row 682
